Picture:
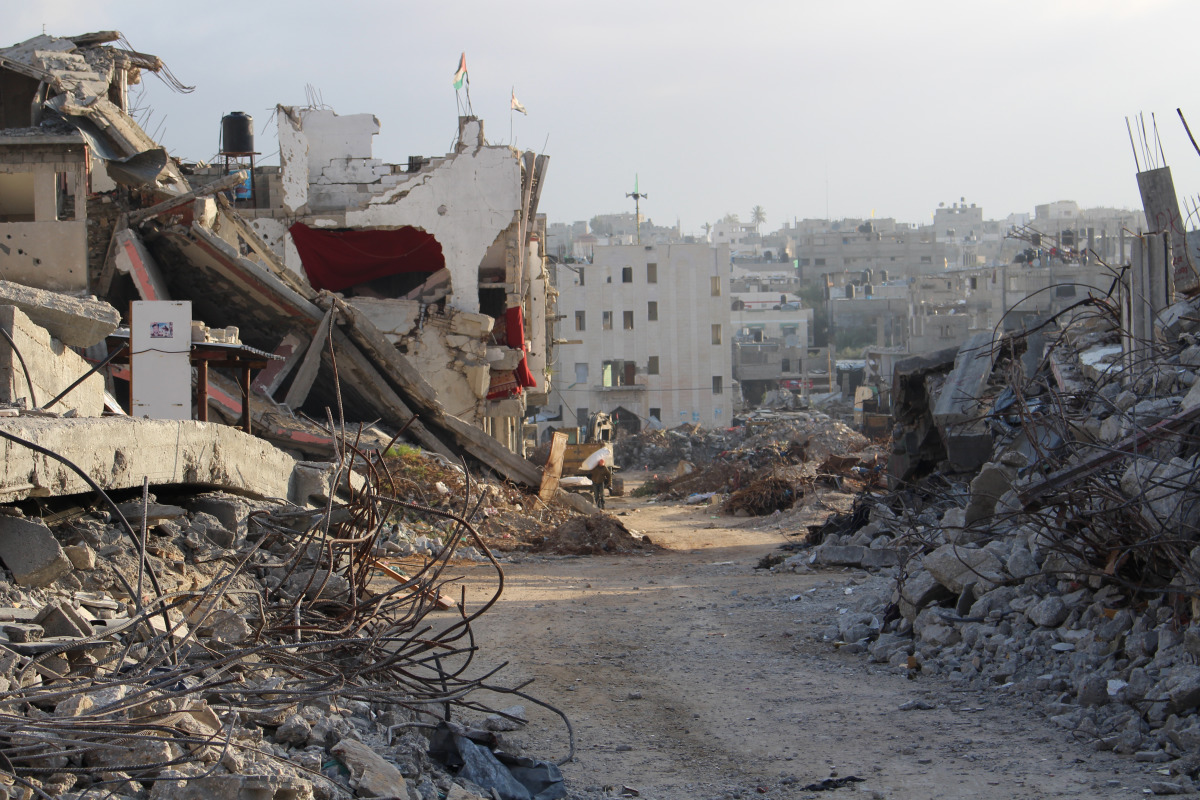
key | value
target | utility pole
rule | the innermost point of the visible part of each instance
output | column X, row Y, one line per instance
column 637, row 206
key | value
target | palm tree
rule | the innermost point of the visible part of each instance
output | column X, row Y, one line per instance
column 759, row 215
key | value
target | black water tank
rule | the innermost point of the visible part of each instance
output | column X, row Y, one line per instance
column 851, row 291
column 237, row 133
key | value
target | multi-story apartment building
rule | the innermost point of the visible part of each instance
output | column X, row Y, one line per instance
column 902, row 251
column 771, row 335
column 643, row 333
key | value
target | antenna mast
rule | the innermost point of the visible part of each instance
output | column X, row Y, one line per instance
column 637, row 206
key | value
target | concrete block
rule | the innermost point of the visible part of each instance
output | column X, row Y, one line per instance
column 52, row 368
column 71, row 320
column 987, row 488
column 30, row 551
column 62, row 619
column 964, row 385
column 229, row 509
column 117, row 452
column 82, row 556
column 968, row 445
column 370, row 775
column 919, row 590
column 312, row 481
column 954, row 567
column 837, row 555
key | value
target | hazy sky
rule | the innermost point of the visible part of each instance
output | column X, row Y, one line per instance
column 802, row 107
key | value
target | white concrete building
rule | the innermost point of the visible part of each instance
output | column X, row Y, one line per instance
column 647, row 333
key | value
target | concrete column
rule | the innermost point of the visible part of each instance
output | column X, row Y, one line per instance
column 45, row 193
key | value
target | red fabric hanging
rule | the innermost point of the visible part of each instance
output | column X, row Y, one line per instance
column 336, row 260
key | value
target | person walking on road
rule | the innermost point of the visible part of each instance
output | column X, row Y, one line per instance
column 601, row 477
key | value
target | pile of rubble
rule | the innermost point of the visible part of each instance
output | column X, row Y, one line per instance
column 765, row 438
column 228, row 645
column 1066, row 568
column 764, row 466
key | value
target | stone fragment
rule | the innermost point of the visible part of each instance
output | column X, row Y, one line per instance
column 1092, row 691
column 234, row 787
column 74, row 705
column 509, row 719
column 370, row 775
column 880, row 558
column 23, row 632
column 1021, row 564
column 154, row 512
column 318, row 583
column 835, row 555
column 229, row 509
column 954, row 567
column 1182, row 689
column 81, row 555
column 1161, row 787
column 456, row 792
column 886, row 645
column 919, row 590
column 30, row 551
column 228, row 626
column 294, row 731
column 1048, row 613
column 992, row 481
column 63, row 619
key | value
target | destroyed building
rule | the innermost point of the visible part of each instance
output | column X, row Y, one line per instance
column 428, row 277
column 143, row 302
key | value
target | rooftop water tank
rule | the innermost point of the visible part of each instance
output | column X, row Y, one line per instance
column 237, row 133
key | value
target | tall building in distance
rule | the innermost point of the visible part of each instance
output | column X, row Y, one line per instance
column 643, row 334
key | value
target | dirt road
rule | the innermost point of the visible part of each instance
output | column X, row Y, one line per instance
column 690, row 674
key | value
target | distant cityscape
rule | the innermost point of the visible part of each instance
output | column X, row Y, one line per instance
column 659, row 328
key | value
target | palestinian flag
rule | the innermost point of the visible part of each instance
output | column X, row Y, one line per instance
column 461, row 75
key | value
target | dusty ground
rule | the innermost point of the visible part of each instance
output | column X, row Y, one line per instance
column 689, row 674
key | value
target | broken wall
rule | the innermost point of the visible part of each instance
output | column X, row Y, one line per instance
column 43, row 227
column 51, row 365
column 465, row 202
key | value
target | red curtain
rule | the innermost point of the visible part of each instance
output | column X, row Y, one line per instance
column 336, row 260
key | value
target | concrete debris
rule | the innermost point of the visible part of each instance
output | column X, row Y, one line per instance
column 31, row 553
column 74, row 321
column 1062, row 567
column 145, row 633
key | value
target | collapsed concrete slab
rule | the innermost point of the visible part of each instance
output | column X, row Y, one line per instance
column 74, row 321
column 117, row 452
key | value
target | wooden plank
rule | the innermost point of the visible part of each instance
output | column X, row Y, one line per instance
column 553, row 469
